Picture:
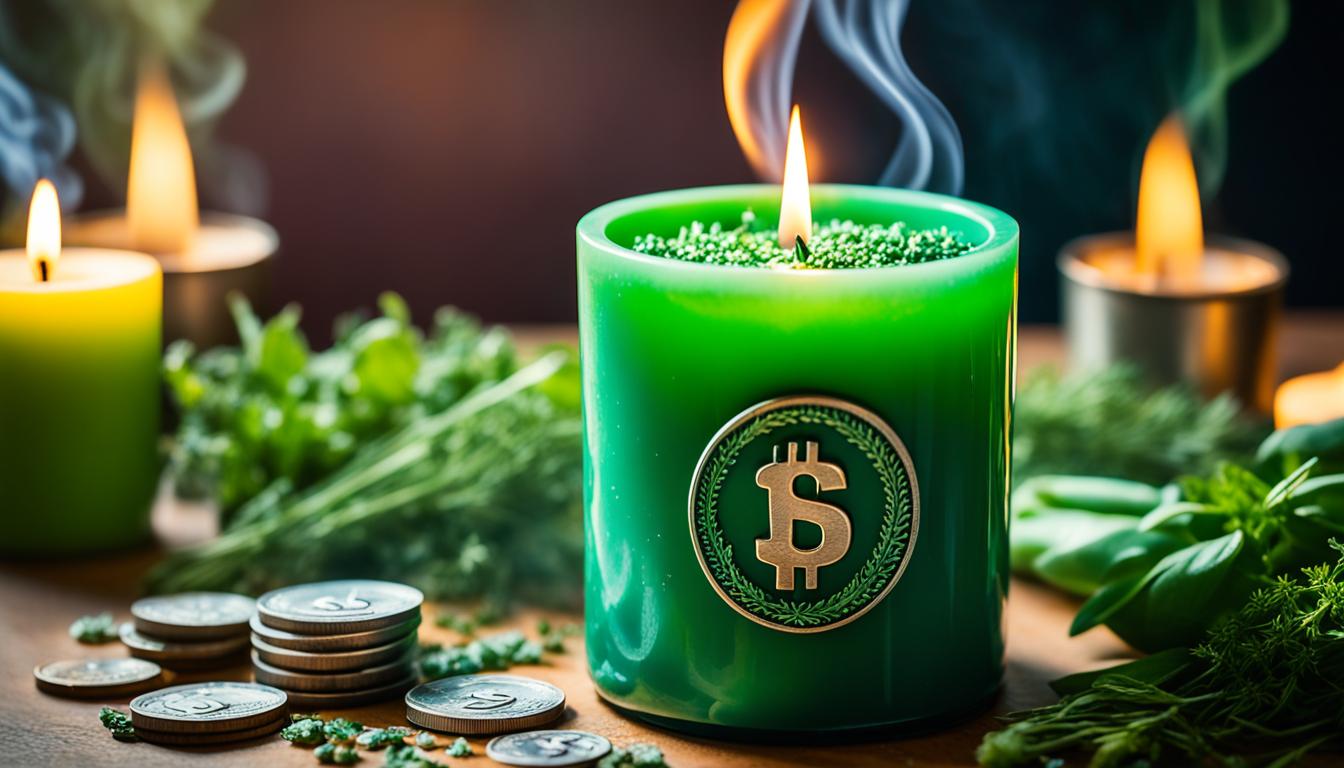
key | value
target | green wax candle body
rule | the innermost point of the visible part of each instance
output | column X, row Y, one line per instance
column 673, row 351
column 79, row 402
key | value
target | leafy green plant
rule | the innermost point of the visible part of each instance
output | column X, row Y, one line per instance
column 1110, row 423
column 433, row 461
column 118, row 724
column 1262, row 688
column 95, row 629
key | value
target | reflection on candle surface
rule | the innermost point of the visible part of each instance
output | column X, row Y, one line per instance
column 1310, row 399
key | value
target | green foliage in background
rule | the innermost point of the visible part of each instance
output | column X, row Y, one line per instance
column 432, row 459
column 1109, row 423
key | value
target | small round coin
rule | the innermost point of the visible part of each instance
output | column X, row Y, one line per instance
column 311, row 700
column 333, row 682
column 167, row 652
column 187, row 739
column 354, row 641
column 478, row 705
column 547, row 748
column 208, row 707
column 98, row 678
column 302, row 661
column 339, row 607
column 193, row 615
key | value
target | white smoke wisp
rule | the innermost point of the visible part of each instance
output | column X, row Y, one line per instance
column 760, row 54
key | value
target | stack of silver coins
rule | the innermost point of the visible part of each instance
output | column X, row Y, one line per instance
column 208, row 713
column 190, row 631
column 337, row 643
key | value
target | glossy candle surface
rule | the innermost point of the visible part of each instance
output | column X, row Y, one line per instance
column 671, row 351
column 79, row 401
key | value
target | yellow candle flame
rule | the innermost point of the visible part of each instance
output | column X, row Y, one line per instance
column 161, row 194
column 1169, row 230
column 44, row 231
column 795, row 205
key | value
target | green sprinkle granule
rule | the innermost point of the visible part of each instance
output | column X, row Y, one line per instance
column 834, row 245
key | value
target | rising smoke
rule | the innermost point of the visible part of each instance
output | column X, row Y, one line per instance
column 86, row 54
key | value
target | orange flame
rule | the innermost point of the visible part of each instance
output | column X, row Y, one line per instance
column 44, row 231
column 755, row 23
column 1169, row 231
column 161, row 194
column 795, row 202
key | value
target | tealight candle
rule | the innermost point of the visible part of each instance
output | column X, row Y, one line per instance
column 79, row 392
column 1310, row 399
column 1162, row 299
column 796, row 478
column 205, row 256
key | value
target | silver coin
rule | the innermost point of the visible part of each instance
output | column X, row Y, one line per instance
column 355, row 641
column 207, row 707
column 146, row 647
column 343, row 699
column 193, row 615
column 189, row 739
column 339, row 607
column 484, row 704
column 303, row 661
column 91, row 678
column 334, row 682
column 547, row 748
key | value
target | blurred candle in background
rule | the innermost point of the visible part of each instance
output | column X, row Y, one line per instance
column 79, row 391
column 1163, row 299
column 205, row 256
column 1310, row 399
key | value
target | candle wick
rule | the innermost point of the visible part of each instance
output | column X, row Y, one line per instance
column 43, row 270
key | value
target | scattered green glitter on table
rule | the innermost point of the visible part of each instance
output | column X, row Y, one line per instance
column 834, row 245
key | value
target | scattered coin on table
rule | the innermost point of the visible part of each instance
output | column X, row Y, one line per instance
column 547, row 748
column 98, row 678
column 208, row 708
column 339, row 607
column 193, row 616
column 478, row 705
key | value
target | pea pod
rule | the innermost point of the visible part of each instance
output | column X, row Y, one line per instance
column 1094, row 494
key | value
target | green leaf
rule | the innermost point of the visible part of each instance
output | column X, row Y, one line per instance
column 1083, row 569
column 386, row 360
column 1155, row 670
column 281, row 352
column 249, row 327
column 1096, row 494
column 1110, row 598
column 1283, row 490
column 393, row 306
column 1169, row 512
column 1034, row 532
column 1186, row 578
column 1325, row 440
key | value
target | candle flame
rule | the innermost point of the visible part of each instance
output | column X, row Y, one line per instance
column 44, row 231
column 1169, row 231
column 1310, row 399
column 161, row 194
column 795, row 205
column 758, row 54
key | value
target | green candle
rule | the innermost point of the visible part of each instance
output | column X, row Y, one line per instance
column 796, row 479
column 79, row 399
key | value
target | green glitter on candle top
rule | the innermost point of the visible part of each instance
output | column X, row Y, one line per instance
column 834, row 245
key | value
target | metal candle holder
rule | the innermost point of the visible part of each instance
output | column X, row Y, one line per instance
column 233, row 254
column 1218, row 334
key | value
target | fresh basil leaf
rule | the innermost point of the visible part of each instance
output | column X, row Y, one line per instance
column 281, row 351
column 1154, row 670
column 1082, row 569
column 1036, row 531
column 1096, row 494
column 1283, row 490
column 1103, row 603
column 1174, row 511
column 386, row 358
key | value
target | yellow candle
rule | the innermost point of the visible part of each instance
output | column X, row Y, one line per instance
column 1310, row 399
column 79, row 392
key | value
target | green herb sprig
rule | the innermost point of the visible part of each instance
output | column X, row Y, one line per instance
column 118, row 724
column 463, row 472
column 94, row 630
column 1263, row 688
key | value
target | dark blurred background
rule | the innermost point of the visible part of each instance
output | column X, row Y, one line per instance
column 445, row 148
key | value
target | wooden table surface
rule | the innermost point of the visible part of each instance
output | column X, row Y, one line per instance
column 39, row 600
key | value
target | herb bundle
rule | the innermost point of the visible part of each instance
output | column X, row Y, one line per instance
column 1110, row 423
column 1262, row 688
column 834, row 245
column 435, row 461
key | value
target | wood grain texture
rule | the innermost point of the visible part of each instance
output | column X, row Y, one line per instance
column 39, row 600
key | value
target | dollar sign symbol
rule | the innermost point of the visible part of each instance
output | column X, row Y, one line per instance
column 777, row 478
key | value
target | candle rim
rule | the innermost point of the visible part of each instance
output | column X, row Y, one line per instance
column 83, row 229
column 1075, row 267
column 1002, row 229
column 142, row 267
